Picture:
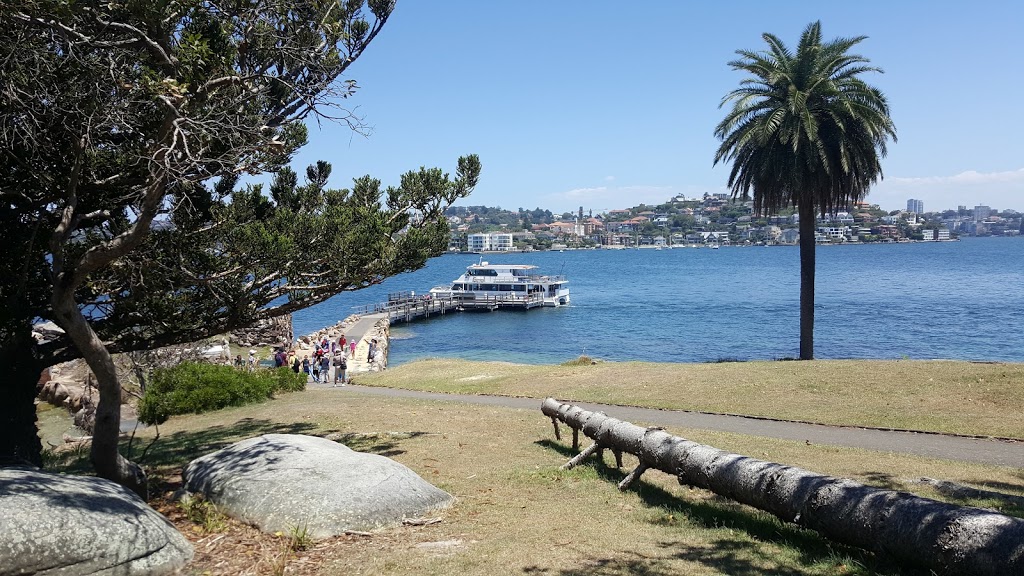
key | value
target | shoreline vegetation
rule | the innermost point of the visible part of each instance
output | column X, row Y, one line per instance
column 503, row 465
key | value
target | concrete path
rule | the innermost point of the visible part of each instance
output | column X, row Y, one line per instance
column 361, row 332
column 978, row 450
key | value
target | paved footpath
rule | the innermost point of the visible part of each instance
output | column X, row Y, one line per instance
column 978, row 450
column 360, row 330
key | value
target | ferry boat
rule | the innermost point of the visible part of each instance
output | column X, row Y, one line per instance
column 492, row 286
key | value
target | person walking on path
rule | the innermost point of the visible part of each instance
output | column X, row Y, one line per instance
column 340, row 365
column 352, row 348
column 306, row 367
column 372, row 351
column 325, row 368
column 377, row 365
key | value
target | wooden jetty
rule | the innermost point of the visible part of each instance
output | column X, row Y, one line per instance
column 406, row 306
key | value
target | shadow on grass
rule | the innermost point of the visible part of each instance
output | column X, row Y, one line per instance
column 631, row 564
column 881, row 480
column 1002, row 486
column 810, row 550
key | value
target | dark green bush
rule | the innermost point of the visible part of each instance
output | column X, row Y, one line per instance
column 191, row 388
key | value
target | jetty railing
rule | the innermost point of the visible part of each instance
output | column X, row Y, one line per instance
column 407, row 306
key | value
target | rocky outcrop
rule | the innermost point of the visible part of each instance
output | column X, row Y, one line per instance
column 270, row 332
column 283, row 482
column 77, row 525
column 331, row 333
column 69, row 386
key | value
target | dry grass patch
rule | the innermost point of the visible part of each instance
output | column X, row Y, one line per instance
column 517, row 512
column 939, row 396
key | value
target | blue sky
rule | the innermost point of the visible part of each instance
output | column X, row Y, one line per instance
column 609, row 104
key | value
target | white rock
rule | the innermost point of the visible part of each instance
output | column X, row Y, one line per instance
column 281, row 482
column 76, row 525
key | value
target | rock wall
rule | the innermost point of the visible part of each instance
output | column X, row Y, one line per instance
column 332, row 333
column 272, row 332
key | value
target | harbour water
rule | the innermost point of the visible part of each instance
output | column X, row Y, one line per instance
column 956, row 300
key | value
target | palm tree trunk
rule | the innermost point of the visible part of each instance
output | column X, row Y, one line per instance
column 807, row 226
column 19, row 437
column 106, row 459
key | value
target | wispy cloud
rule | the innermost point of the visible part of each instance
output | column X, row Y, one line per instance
column 606, row 197
column 609, row 178
column 1004, row 189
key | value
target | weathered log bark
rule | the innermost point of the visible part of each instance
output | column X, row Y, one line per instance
column 946, row 538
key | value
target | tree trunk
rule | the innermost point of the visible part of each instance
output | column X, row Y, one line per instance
column 807, row 227
column 19, row 436
column 106, row 459
column 946, row 538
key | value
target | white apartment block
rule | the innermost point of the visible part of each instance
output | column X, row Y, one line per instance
column 495, row 242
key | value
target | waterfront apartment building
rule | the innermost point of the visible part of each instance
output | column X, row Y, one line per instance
column 915, row 206
column 494, row 242
column 981, row 213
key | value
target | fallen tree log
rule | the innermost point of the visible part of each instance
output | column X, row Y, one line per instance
column 946, row 538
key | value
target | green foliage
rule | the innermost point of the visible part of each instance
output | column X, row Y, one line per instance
column 204, row 514
column 192, row 388
column 300, row 538
column 583, row 360
column 804, row 128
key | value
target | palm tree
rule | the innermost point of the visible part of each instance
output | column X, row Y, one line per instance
column 804, row 131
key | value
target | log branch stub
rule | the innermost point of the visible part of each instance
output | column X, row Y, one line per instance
column 579, row 458
column 618, row 458
column 575, row 439
column 558, row 434
column 946, row 538
column 632, row 477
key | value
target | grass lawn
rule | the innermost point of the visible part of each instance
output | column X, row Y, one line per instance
column 982, row 399
column 516, row 512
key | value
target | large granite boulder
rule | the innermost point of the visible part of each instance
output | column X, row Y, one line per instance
column 53, row 524
column 282, row 482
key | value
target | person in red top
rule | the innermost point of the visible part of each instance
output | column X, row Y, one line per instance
column 341, row 344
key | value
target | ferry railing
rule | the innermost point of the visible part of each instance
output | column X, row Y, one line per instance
column 515, row 280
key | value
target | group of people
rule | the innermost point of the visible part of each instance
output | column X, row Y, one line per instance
column 243, row 364
column 327, row 355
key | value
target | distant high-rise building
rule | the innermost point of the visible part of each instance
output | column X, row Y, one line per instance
column 981, row 213
column 915, row 206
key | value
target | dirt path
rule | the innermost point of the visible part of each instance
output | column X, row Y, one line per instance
column 979, row 450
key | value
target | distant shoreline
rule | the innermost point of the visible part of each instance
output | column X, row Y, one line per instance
column 698, row 246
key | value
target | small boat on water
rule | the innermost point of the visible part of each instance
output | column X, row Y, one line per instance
column 492, row 286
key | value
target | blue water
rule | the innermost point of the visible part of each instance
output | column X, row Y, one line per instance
column 958, row 300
